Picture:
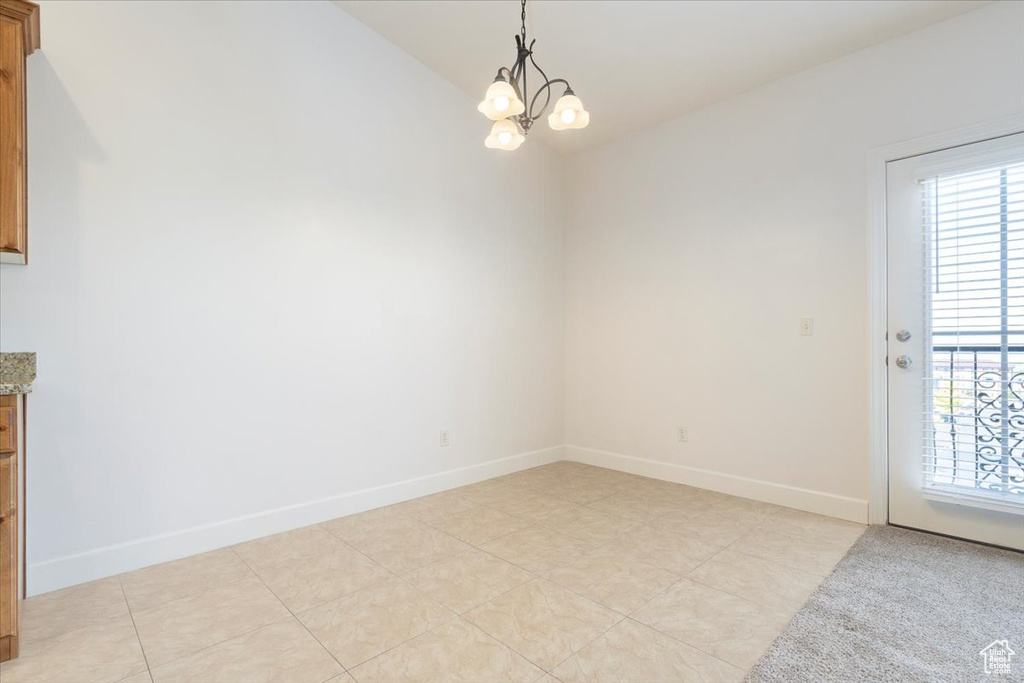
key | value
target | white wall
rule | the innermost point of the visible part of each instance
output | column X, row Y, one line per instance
column 693, row 250
column 270, row 258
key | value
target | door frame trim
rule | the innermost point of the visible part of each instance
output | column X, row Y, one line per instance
column 877, row 158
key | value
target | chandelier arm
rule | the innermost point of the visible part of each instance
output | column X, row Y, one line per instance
column 513, row 80
column 515, row 74
column 511, row 72
column 525, row 53
column 522, row 73
column 545, row 88
column 505, row 70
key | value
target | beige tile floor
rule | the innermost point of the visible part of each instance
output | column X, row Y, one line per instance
column 562, row 573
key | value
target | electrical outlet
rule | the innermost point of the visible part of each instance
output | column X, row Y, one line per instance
column 444, row 437
column 806, row 327
column 682, row 434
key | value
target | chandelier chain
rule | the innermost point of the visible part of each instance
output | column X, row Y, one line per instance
column 522, row 31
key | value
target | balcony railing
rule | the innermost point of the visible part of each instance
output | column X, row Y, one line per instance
column 977, row 418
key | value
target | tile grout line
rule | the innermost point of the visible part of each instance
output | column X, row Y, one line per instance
column 207, row 590
column 294, row 616
column 213, row 645
column 456, row 615
column 67, row 631
column 510, row 649
column 716, row 588
column 587, row 644
column 387, row 569
column 131, row 615
column 680, row 640
column 184, row 597
column 686, row 576
column 779, row 564
column 623, row 617
column 797, row 537
column 661, row 592
column 87, row 627
column 393, row 575
column 762, row 559
column 536, row 576
column 190, row 594
column 543, row 576
column 461, row 616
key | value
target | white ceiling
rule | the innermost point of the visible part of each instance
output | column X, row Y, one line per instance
column 636, row 63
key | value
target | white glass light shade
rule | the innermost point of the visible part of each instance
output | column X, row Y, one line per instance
column 504, row 135
column 500, row 102
column 568, row 114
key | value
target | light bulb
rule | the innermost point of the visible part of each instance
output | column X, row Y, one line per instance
column 504, row 137
column 501, row 103
column 569, row 113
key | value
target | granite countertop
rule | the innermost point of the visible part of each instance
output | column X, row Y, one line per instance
column 17, row 372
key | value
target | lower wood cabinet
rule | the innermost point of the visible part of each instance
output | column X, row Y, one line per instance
column 8, row 427
column 9, row 523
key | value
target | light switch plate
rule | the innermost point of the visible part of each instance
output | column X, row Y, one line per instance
column 806, row 327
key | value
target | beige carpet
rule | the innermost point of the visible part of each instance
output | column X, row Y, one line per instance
column 905, row 606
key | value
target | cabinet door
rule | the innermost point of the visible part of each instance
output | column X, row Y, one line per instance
column 8, row 428
column 13, row 180
column 8, row 546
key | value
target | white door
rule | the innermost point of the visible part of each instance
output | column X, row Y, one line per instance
column 955, row 288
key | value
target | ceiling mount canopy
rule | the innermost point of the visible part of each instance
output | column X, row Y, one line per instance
column 506, row 100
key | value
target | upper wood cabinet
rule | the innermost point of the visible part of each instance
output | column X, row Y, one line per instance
column 19, row 37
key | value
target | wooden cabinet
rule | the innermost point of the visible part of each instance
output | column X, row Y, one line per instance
column 19, row 37
column 8, row 557
column 8, row 430
column 9, row 526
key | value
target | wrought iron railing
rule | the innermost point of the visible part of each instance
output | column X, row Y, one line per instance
column 977, row 417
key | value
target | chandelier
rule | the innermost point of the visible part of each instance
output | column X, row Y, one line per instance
column 505, row 101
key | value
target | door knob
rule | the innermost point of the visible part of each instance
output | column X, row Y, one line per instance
column 903, row 362
column 902, row 335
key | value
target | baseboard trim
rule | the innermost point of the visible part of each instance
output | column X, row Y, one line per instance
column 50, row 575
column 829, row 504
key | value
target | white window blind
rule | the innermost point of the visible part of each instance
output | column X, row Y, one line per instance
column 974, row 320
